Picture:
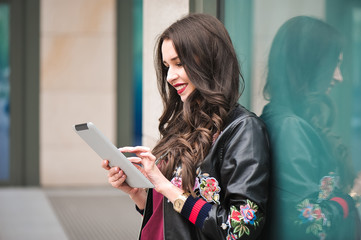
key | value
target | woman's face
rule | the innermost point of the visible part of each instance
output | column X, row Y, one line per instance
column 337, row 75
column 177, row 75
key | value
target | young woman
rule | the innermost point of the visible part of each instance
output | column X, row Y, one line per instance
column 311, row 171
column 210, row 167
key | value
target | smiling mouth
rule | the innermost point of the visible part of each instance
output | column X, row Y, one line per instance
column 180, row 87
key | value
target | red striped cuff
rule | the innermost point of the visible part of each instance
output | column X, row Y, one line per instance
column 196, row 210
column 343, row 204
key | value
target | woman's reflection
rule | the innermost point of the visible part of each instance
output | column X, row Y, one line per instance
column 312, row 172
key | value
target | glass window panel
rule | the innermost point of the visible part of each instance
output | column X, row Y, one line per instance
column 356, row 93
column 4, row 92
column 307, row 56
column 238, row 21
column 137, row 70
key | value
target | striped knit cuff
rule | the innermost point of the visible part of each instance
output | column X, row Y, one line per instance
column 196, row 210
column 342, row 202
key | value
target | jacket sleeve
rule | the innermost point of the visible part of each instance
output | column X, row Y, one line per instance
column 308, row 191
column 239, row 210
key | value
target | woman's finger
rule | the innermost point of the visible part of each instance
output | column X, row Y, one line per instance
column 136, row 149
column 105, row 164
column 117, row 177
column 147, row 155
column 113, row 171
column 135, row 160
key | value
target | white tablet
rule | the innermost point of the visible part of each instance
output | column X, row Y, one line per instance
column 106, row 150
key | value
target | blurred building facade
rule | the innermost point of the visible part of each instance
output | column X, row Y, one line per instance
column 70, row 62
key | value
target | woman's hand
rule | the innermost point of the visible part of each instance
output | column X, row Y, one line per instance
column 147, row 159
column 152, row 172
column 357, row 185
column 116, row 177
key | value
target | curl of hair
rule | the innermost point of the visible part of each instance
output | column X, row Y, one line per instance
column 187, row 128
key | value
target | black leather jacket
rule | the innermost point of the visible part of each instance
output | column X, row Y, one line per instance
column 305, row 180
column 238, row 166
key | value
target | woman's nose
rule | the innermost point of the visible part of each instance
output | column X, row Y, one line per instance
column 171, row 76
column 337, row 75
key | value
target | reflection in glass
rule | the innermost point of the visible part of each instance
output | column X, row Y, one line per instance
column 137, row 70
column 4, row 92
column 312, row 172
column 356, row 87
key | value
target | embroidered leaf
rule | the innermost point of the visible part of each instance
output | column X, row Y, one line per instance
column 303, row 204
column 241, row 232
column 246, row 230
column 234, row 223
column 216, row 198
column 252, row 205
column 237, row 229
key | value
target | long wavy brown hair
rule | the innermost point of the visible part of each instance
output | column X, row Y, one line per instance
column 187, row 128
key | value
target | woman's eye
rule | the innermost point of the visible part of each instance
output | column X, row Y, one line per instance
column 179, row 64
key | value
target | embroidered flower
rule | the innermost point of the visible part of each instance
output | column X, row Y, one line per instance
column 322, row 236
column 317, row 213
column 327, row 185
column 177, row 181
column 312, row 216
column 239, row 219
column 209, row 189
column 235, row 215
column 224, row 226
column 306, row 214
column 196, row 184
column 248, row 214
column 231, row 237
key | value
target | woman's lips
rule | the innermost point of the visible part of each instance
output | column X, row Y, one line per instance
column 180, row 87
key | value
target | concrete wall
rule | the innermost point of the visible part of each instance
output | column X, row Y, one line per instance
column 77, row 84
column 78, row 47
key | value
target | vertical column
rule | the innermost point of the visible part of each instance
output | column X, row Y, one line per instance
column 157, row 16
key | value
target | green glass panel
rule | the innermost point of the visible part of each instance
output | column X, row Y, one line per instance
column 238, row 16
column 4, row 92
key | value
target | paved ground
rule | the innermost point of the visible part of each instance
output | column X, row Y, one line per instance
column 67, row 214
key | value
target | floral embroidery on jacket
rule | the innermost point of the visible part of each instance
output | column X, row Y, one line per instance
column 310, row 211
column 177, row 179
column 240, row 220
column 311, row 214
column 327, row 186
column 209, row 189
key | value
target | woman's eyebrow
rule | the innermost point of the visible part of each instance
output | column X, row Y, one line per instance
column 171, row 60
